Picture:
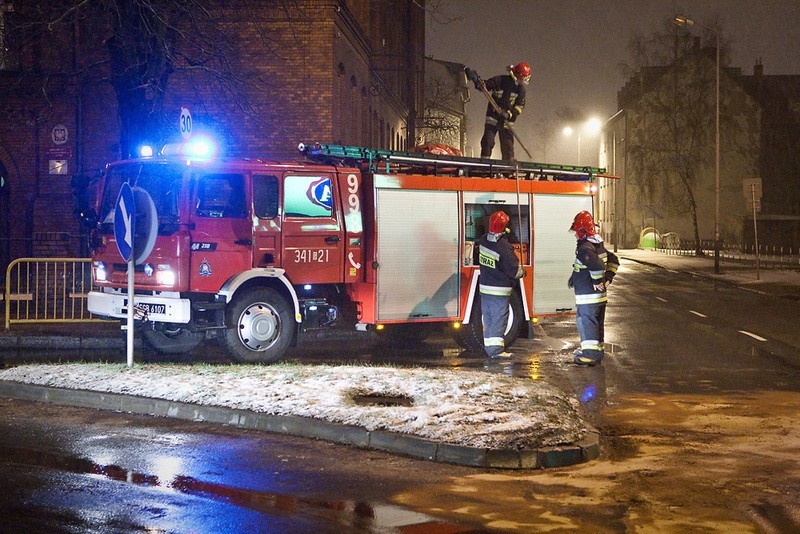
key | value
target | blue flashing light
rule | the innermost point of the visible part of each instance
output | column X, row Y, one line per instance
column 307, row 287
column 200, row 148
column 146, row 151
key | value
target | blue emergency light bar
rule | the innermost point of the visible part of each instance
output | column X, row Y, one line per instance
column 201, row 148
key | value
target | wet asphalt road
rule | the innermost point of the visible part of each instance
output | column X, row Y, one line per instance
column 72, row 470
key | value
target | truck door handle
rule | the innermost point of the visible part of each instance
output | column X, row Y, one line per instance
column 247, row 242
column 332, row 239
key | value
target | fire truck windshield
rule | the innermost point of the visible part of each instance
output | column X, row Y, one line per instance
column 161, row 180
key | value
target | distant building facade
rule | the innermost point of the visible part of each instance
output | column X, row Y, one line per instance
column 347, row 71
column 779, row 159
column 663, row 138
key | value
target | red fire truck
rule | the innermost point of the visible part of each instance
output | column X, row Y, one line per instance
column 254, row 252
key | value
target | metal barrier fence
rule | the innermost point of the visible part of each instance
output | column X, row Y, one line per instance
column 770, row 257
column 47, row 290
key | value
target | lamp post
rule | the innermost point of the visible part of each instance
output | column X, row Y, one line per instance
column 683, row 21
column 591, row 127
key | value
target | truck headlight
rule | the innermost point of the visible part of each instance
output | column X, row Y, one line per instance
column 165, row 277
column 100, row 273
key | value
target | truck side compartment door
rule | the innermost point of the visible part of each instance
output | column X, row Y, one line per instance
column 313, row 235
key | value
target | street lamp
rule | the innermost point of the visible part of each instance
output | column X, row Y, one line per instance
column 683, row 21
column 591, row 127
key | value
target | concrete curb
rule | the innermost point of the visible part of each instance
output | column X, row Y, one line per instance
column 583, row 451
column 22, row 341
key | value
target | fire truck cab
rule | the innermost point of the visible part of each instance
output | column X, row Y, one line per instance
column 255, row 251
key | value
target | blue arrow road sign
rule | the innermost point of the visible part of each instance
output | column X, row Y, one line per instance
column 124, row 221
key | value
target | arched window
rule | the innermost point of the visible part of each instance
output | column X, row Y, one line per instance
column 365, row 111
column 374, row 129
column 341, row 95
column 353, row 112
column 5, row 197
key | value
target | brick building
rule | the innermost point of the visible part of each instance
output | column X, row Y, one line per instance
column 346, row 71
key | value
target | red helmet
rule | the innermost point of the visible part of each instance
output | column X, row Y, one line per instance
column 521, row 71
column 583, row 225
column 498, row 222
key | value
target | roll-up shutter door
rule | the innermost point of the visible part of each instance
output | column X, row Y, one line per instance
column 418, row 254
column 554, row 250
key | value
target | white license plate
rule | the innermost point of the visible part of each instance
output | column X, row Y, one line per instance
column 146, row 308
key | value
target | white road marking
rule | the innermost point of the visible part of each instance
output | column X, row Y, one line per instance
column 697, row 313
column 759, row 338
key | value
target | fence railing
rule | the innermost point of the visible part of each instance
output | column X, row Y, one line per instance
column 770, row 257
column 47, row 290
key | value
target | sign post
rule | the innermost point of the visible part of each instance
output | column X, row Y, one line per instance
column 751, row 187
column 124, row 225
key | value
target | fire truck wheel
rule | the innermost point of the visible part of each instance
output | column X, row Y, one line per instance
column 470, row 335
column 172, row 341
column 260, row 327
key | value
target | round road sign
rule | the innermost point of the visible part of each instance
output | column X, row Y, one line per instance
column 186, row 123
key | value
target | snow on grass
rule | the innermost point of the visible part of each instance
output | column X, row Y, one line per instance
column 460, row 407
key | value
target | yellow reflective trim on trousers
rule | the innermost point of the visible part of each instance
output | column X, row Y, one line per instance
column 495, row 290
column 591, row 344
column 592, row 298
column 493, row 342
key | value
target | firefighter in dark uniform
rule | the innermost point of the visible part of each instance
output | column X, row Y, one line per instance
column 592, row 273
column 499, row 272
column 508, row 91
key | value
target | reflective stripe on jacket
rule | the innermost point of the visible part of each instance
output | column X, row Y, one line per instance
column 499, row 265
column 593, row 265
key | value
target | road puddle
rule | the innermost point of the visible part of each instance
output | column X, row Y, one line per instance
column 357, row 516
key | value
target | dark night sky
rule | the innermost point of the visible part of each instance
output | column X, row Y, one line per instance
column 575, row 48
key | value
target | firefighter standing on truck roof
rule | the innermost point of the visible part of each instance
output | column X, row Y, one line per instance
column 592, row 273
column 499, row 272
column 508, row 91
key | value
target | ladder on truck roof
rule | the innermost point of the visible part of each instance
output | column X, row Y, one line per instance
column 393, row 161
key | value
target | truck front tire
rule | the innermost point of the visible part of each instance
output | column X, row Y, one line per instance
column 172, row 340
column 260, row 327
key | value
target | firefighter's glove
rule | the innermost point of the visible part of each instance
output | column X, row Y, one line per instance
column 570, row 283
column 473, row 77
column 507, row 115
column 600, row 287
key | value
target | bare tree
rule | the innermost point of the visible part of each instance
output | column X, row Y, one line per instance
column 671, row 139
column 443, row 118
column 133, row 45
